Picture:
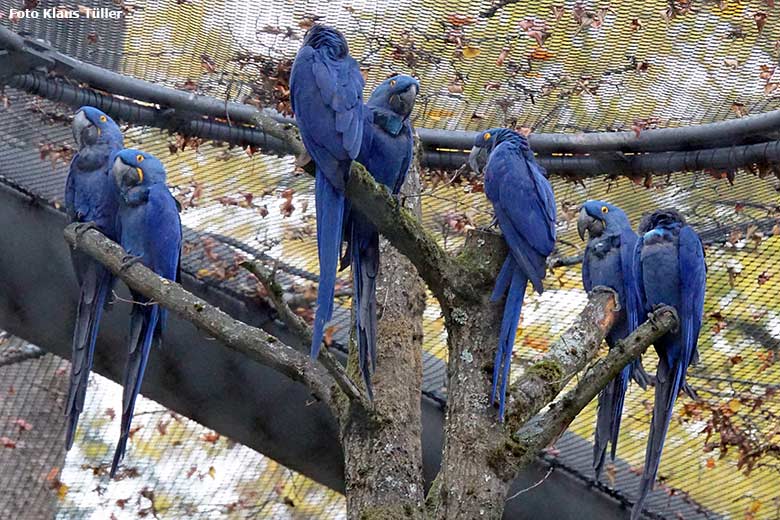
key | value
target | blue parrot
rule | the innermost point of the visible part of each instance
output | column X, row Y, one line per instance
column 386, row 152
column 149, row 230
column 670, row 270
column 524, row 205
column 89, row 199
column 326, row 93
column 609, row 262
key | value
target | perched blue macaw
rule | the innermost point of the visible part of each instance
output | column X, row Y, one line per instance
column 326, row 93
column 90, row 199
column 149, row 230
column 670, row 270
column 524, row 205
column 386, row 152
column 609, row 262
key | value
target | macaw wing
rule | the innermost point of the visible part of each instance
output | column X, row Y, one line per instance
column 519, row 197
column 531, row 263
column 628, row 241
column 587, row 283
column 637, row 276
column 407, row 161
column 328, row 98
column 70, row 189
column 543, row 188
column 164, row 236
column 693, row 278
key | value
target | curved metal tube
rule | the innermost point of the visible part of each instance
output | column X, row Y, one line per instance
column 736, row 131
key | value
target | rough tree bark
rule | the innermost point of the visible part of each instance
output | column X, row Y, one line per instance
column 383, row 450
column 466, row 486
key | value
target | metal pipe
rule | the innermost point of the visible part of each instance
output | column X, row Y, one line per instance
column 736, row 131
column 124, row 110
column 570, row 166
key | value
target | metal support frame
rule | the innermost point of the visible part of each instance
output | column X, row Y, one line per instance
column 29, row 53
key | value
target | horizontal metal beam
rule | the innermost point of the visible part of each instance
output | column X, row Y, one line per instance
column 740, row 131
column 569, row 166
column 616, row 163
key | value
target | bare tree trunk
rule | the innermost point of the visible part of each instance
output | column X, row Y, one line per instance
column 32, row 425
column 469, row 486
column 383, row 451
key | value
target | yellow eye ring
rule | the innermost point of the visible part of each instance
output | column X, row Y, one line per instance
column 140, row 175
column 486, row 136
column 393, row 82
column 103, row 119
column 604, row 209
column 139, row 158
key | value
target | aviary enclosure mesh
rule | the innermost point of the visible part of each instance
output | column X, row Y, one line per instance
column 541, row 66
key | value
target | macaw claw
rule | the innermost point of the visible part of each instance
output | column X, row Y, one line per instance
column 610, row 290
column 662, row 306
column 83, row 227
column 127, row 261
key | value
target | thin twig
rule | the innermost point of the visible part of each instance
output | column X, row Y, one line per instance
column 526, row 490
column 302, row 330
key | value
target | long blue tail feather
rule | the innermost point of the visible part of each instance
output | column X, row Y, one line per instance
column 96, row 283
column 610, row 411
column 365, row 264
column 143, row 332
column 330, row 215
column 506, row 340
column 503, row 279
column 669, row 380
column 617, row 408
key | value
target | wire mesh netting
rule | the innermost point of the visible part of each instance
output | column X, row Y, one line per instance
column 538, row 66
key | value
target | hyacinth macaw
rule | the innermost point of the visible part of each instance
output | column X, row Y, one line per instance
column 90, row 199
column 609, row 262
column 524, row 205
column 670, row 270
column 326, row 93
column 149, row 230
column 386, row 152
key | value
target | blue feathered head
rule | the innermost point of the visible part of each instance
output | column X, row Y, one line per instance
column 326, row 37
column 92, row 126
column 397, row 93
column 485, row 141
column 136, row 168
column 597, row 217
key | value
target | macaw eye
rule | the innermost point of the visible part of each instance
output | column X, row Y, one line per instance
column 139, row 158
column 103, row 119
column 393, row 82
column 604, row 209
column 140, row 175
column 486, row 136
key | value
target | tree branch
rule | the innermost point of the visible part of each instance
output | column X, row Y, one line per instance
column 252, row 342
column 543, row 380
column 397, row 224
column 302, row 330
column 405, row 232
column 544, row 428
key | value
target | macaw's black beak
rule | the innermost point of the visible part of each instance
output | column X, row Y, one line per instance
column 402, row 103
column 478, row 159
column 84, row 132
column 594, row 226
column 126, row 176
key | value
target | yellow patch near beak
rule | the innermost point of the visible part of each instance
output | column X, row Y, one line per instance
column 98, row 130
column 140, row 175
